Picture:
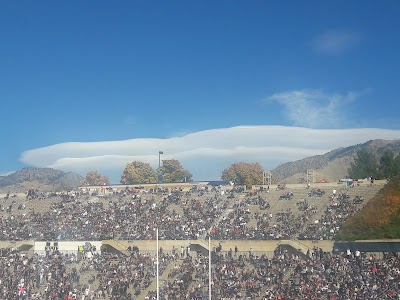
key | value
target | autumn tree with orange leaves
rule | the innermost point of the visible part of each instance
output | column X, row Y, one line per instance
column 95, row 178
column 138, row 172
column 247, row 174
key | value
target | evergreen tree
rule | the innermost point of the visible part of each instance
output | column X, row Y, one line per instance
column 388, row 165
column 364, row 165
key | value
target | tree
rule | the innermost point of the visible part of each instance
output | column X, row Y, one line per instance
column 138, row 172
column 172, row 171
column 389, row 164
column 397, row 164
column 242, row 173
column 364, row 165
column 95, row 178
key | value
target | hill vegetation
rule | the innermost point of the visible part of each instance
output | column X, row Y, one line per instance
column 379, row 219
column 366, row 164
column 334, row 165
column 49, row 178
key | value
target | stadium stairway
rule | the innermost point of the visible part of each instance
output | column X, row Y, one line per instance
column 87, row 275
column 163, row 279
column 20, row 245
column 116, row 246
column 222, row 216
column 295, row 247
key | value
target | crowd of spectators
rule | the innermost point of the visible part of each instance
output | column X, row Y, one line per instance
column 317, row 276
column 261, row 224
column 72, row 276
column 135, row 215
column 236, row 274
column 352, row 276
column 340, row 208
column 120, row 215
column 305, row 220
column 40, row 277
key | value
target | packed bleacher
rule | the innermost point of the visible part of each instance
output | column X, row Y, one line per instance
column 235, row 275
column 134, row 215
column 287, row 213
column 121, row 215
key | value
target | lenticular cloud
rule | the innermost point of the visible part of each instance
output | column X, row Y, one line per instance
column 205, row 153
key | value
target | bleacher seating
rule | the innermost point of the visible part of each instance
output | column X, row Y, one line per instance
column 294, row 213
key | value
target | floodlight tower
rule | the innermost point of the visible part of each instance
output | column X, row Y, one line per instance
column 267, row 178
column 310, row 176
column 159, row 165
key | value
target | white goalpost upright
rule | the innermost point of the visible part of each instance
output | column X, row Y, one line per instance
column 157, row 267
column 209, row 267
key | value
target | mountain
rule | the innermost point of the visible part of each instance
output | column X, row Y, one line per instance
column 43, row 178
column 333, row 165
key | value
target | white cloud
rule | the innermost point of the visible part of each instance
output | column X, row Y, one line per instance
column 314, row 108
column 334, row 42
column 205, row 153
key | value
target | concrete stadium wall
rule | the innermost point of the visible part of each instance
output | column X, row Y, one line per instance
column 317, row 185
column 186, row 186
column 146, row 186
column 65, row 246
column 150, row 245
column 243, row 245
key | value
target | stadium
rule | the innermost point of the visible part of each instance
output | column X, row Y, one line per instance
column 200, row 150
column 154, row 242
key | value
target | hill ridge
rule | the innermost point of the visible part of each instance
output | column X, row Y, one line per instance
column 52, row 179
column 332, row 165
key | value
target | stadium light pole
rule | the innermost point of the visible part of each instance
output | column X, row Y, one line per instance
column 159, row 158
column 159, row 165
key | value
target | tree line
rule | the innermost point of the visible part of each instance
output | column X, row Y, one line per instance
column 367, row 164
column 171, row 170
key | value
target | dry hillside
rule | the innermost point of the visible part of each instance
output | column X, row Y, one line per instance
column 44, row 179
column 332, row 165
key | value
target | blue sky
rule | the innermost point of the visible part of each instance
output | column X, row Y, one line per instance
column 88, row 85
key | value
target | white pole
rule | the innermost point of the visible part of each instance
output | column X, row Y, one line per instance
column 158, row 286
column 209, row 267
